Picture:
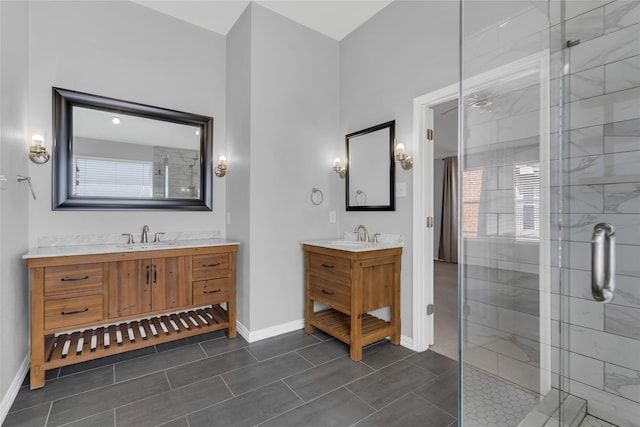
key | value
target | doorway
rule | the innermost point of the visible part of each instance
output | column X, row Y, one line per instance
column 445, row 261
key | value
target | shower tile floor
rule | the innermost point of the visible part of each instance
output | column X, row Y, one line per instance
column 491, row 402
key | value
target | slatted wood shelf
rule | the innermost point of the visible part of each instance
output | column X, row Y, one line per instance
column 69, row 348
column 338, row 324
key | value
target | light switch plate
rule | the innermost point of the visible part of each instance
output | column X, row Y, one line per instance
column 401, row 189
column 332, row 217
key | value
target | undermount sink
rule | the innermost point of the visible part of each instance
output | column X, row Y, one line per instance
column 349, row 243
column 143, row 246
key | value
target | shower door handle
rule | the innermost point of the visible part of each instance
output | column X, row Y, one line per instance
column 603, row 262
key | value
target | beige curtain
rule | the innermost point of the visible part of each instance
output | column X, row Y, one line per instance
column 448, row 250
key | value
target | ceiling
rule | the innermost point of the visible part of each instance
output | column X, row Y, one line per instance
column 334, row 18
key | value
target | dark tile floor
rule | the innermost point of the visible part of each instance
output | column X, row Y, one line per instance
column 290, row 380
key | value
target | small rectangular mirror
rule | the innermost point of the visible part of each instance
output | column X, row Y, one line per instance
column 370, row 178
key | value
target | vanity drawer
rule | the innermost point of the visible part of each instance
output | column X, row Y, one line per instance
column 210, row 266
column 332, row 294
column 211, row 291
column 330, row 267
column 69, row 312
column 73, row 279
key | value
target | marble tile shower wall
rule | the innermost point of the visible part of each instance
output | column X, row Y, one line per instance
column 601, row 343
column 183, row 170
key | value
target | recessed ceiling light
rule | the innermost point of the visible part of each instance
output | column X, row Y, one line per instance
column 115, row 120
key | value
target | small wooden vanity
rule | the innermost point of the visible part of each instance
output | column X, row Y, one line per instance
column 87, row 306
column 351, row 284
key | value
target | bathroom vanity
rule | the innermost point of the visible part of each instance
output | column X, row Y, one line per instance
column 93, row 301
column 349, row 280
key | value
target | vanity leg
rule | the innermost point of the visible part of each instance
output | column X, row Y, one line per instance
column 355, row 335
column 308, row 302
column 395, row 304
column 231, row 304
column 37, row 329
column 231, row 312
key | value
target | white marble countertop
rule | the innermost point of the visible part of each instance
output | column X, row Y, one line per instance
column 71, row 250
column 352, row 245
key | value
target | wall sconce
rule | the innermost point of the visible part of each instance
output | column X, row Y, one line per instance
column 221, row 168
column 339, row 169
column 37, row 151
column 405, row 160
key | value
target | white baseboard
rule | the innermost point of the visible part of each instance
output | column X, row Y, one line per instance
column 272, row 331
column 406, row 341
column 14, row 388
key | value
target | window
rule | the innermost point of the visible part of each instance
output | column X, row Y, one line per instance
column 526, row 183
column 101, row 176
column 471, row 188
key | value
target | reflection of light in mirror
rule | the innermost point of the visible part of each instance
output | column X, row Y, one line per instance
column 198, row 132
column 115, row 120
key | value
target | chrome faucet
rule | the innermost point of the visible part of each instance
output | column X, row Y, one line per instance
column 361, row 228
column 144, row 238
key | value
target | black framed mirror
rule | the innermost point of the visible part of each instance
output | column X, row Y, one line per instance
column 370, row 175
column 110, row 154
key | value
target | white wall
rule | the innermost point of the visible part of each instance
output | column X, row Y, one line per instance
column 294, row 124
column 126, row 51
column 239, row 155
column 14, row 308
column 397, row 55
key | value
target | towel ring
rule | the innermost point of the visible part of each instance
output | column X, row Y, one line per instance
column 316, row 196
column 361, row 197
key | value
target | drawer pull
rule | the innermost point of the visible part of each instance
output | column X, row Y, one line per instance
column 211, row 265
column 324, row 291
column 327, row 266
column 64, row 313
column 212, row 292
column 73, row 279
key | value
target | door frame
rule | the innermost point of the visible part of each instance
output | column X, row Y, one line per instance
column 423, row 324
column 423, row 192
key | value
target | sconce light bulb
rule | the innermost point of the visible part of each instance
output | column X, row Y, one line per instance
column 115, row 120
column 221, row 169
column 400, row 149
column 37, row 151
column 339, row 169
column 37, row 140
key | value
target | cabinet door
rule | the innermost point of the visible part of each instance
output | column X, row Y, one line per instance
column 170, row 288
column 129, row 287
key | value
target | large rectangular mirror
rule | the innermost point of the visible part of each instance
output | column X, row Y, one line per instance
column 370, row 179
column 114, row 154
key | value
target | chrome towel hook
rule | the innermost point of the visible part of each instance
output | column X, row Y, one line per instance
column 28, row 179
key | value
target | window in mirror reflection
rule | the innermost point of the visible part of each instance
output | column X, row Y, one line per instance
column 120, row 155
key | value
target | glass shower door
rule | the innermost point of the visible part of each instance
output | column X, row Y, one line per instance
column 549, row 148
column 509, row 253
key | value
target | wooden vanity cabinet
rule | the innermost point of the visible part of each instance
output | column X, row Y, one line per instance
column 85, row 307
column 352, row 284
column 146, row 285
